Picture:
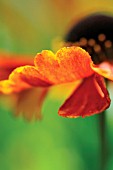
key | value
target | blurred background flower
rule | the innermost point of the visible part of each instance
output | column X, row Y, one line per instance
column 27, row 27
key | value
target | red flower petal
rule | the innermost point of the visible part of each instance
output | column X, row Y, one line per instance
column 8, row 62
column 14, row 60
column 91, row 97
column 67, row 65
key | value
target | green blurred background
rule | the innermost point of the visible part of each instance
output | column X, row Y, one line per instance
column 54, row 143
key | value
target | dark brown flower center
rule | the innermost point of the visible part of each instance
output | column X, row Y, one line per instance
column 95, row 35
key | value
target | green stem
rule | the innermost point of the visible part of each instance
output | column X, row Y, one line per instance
column 103, row 140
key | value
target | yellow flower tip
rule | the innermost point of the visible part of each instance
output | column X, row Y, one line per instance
column 6, row 87
column 105, row 69
column 64, row 114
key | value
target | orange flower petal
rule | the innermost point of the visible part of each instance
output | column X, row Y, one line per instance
column 29, row 103
column 91, row 97
column 22, row 78
column 105, row 69
column 67, row 65
column 31, row 76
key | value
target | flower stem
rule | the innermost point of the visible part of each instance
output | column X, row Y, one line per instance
column 103, row 140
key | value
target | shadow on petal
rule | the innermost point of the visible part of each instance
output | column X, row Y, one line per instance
column 29, row 103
